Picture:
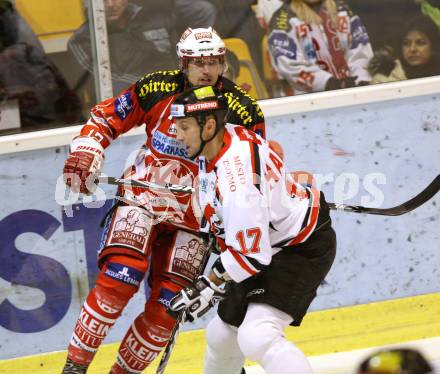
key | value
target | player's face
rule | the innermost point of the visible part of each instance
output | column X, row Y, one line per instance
column 204, row 71
column 416, row 48
column 114, row 9
column 188, row 132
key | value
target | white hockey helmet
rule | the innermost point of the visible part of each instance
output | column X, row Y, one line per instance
column 201, row 42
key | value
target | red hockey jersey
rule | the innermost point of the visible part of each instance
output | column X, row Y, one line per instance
column 162, row 159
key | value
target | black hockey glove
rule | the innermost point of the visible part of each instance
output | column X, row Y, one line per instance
column 196, row 299
column 336, row 84
column 383, row 61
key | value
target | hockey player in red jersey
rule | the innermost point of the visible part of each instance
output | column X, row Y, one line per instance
column 275, row 240
column 147, row 231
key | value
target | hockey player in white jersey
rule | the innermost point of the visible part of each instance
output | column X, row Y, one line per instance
column 275, row 240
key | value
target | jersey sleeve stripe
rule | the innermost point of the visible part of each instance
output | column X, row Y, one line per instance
column 293, row 188
column 255, row 263
column 97, row 126
column 312, row 218
column 99, row 121
column 256, row 165
column 241, row 260
column 306, row 220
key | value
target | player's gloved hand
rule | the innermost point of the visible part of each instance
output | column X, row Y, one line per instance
column 208, row 237
column 83, row 165
column 196, row 299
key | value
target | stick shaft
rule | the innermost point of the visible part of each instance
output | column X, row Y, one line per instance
column 179, row 323
column 145, row 184
column 397, row 210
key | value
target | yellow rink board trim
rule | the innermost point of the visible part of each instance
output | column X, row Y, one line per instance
column 322, row 332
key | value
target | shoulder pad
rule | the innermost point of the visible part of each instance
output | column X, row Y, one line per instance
column 243, row 108
column 229, row 85
column 165, row 83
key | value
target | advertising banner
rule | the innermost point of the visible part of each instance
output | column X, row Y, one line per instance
column 376, row 155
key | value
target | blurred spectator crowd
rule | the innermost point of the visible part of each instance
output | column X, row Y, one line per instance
column 275, row 48
column 319, row 45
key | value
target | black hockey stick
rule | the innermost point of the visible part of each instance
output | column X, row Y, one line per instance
column 397, row 210
column 180, row 320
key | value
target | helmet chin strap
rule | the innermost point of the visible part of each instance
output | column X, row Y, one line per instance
column 202, row 122
column 202, row 145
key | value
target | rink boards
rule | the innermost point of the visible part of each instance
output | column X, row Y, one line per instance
column 330, row 331
column 359, row 153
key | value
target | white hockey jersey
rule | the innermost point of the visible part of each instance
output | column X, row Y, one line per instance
column 253, row 209
column 300, row 52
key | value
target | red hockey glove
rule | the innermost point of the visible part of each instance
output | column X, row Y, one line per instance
column 83, row 165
